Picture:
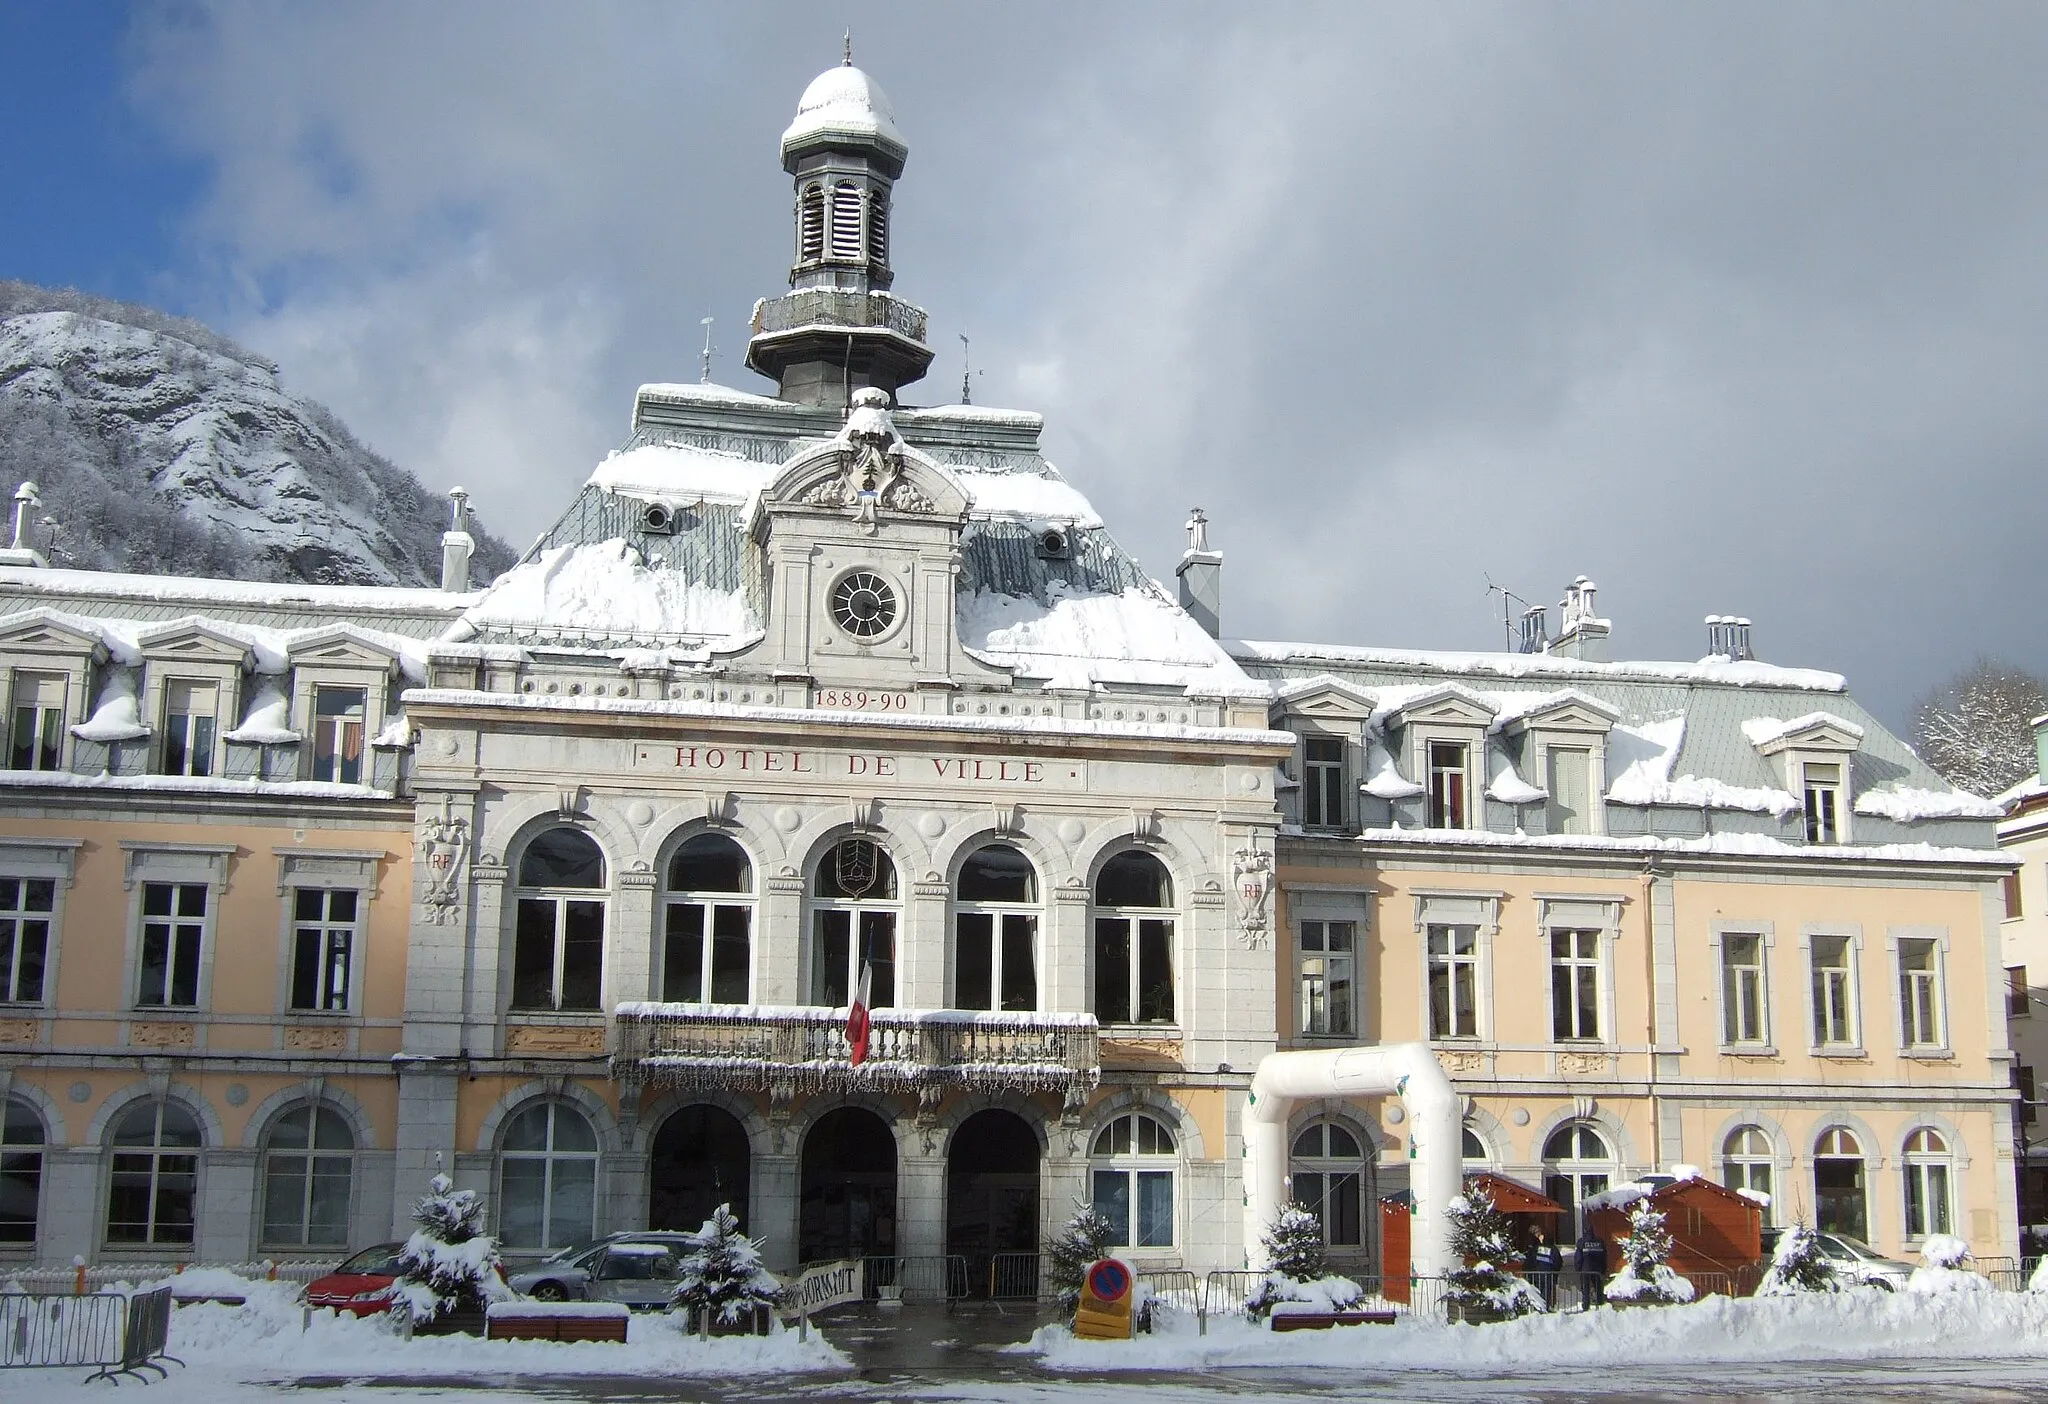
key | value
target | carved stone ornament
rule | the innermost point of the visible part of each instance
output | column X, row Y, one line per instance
column 1252, row 870
column 443, row 840
column 870, row 466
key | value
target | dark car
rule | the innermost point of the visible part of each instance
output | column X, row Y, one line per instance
column 361, row 1285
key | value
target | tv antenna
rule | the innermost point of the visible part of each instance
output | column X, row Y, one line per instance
column 1508, row 600
column 967, row 372
column 704, row 357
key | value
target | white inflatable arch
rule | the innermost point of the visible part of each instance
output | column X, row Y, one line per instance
column 1408, row 1071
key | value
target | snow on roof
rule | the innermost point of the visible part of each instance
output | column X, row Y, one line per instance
column 190, row 785
column 844, row 101
column 118, row 716
column 1906, row 804
column 679, row 473
column 271, row 648
column 1532, row 665
column 1513, row 706
column 1640, row 759
column 608, row 590
column 1744, row 845
column 696, row 392
column 184, row 589
column 1508, row 786
column 1383, row 781
column 1041, row 501
column 1762, row 731
column 1137, row 637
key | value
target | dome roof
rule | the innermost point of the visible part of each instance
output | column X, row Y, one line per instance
column 844, row 102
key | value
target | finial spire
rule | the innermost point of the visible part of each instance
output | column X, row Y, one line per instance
column 849, row 49
column 966, row 373
column 704, row 356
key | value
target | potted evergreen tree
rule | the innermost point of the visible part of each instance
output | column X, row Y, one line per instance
column 1646, row 1277
column 448, row 1271
column 1299, row 1281
column 1798, row 1267
column 721, row 1278
column 1085, row 1239
column 1482, row 1289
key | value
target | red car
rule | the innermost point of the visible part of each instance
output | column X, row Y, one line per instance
column 361, row 1285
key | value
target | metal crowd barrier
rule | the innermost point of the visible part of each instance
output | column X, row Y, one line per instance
column 120, row 1335
column 934, row 1278
column 62, row 1280
column 1015, row 1277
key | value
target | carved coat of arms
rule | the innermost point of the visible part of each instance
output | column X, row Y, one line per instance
column 443, row 841
column 870, row 466
column 1252, row 869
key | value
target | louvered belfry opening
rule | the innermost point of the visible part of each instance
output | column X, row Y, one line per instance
column 847, row 244
column 811, row 226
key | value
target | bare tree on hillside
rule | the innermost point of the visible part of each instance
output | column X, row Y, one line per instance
column 1976, row 728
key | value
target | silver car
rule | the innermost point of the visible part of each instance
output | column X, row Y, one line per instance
column 637, row 1269
column 1853, row 1260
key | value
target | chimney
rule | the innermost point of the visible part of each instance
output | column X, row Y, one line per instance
column 457, row 545
column 1581, row 633
column 1728, row 637
column 21, row 551
column 1535, row 630
column 1201, row 576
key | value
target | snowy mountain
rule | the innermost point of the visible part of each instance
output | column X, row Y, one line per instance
column 160, row 446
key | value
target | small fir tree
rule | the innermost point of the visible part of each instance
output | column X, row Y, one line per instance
column 722, row 1273
column 1646, row 1275
column 1299, row 1268
column 1481, row 1239
column 1086, row 1238
column 1798, row 1267
column 450, row 1264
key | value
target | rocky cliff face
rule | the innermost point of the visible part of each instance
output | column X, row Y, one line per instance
column 160, row 446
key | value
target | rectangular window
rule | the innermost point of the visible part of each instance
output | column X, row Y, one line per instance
column 173, row 930
column 1447, row 808
column 324, row 940
column 835, row 970
column 2012, row 896
column 1920, row 994
column 338, row 734
column 190, row 710
column 1134, row 977
column 995, row 961
column 1568, row 773
column 1327, row 956
column 2017, row 1003
column 728, row 955
column 1575, row 984
column 1454, row 982
column 1742, row 989
column 2023, row 1079
column 1823, row 803
column 558, row 954
column 25, row 907
column 1834, row 992
column 1322, row 791
column 36, row 741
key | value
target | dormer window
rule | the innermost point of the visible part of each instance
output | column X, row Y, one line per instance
column 1823, row 802
column 191, row 716
column 338, row 734
column 1448, row 804
column 36, row 741
column 1322, row 791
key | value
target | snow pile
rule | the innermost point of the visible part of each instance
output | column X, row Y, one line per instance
column 269, row 719
column 679, row 474
column 118, row 716
column 608, row 590
column 531, row 1311
column 1942, row 1272
column 1640, row 758
column 1907, row 804
column 1382, row 780
column 1040, row 502
column 1139, row 636
column 1508, row 786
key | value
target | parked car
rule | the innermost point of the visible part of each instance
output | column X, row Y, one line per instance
column 361, row 1285
column 638, row 1269
column 1853, row 1260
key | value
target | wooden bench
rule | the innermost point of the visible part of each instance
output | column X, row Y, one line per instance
column 1324, row 1320
column 579, row 1321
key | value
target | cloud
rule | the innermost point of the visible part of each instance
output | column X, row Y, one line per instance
column 1733, row 309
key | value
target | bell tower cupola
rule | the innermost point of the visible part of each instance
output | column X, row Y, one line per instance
column 839, row 329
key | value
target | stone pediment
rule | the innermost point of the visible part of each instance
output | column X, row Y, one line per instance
column 1449, row 705
column 869, row 474
column 195, row 640
column 1568, row 711
column 343, row 647
column 1816, row 731
column 48, row 632
column 1328, row 698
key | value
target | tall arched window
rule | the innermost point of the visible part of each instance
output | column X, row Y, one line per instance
column 1839, row 1205
column 811, row 225
column 547, row 1178
column 21, row 1170
column 995, row 931
column 1329, row 1182
column 707, row 948
column 1134, row 941
column 1131, row 1176
column 1746, row 1163
column 1929, row 1203
column 155, row 1184
column 1577, row 1163
column 854, row 924
column 847, row 240
column 558, row 942
column 306, row 1170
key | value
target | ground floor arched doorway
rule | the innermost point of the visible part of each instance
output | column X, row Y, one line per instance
column 700, row 1160
column 847, row 1196
column 992, row 1203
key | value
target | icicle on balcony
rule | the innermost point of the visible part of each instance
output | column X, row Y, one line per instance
column 802, row 1048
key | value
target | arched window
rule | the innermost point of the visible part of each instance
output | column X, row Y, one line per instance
column 1329, row 1182
column 1473, row 1148
column 995, row 931
column 811, row 225
column 155, row 1185
column 558, row 943
column 1929, row 1204
column 547, row 1178
column 1839, row 1204
column 21, row 1170
column 878, row 228
column 1577, row 1164
column 306, row 1170
column 707, row 947
column 847, row 241
column 853, row 924
column 1132, row 1178
column 1746, row 1163
column 1134, row 941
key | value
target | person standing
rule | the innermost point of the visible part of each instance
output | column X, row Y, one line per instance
column 1592, row 1263
column 1544, row 1264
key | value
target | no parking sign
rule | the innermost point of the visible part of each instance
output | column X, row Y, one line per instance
column 1107, row 1291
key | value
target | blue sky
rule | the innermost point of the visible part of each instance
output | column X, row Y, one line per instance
column 1735, row 308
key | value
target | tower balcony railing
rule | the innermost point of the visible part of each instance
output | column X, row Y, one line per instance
column 803, row 1048
column 833, row 307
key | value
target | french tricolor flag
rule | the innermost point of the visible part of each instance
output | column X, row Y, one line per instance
column 857, row 1019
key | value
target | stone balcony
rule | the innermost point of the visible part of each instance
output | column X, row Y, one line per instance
column 791, row 1049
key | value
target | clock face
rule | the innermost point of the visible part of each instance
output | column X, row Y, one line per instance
column 863, row 604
